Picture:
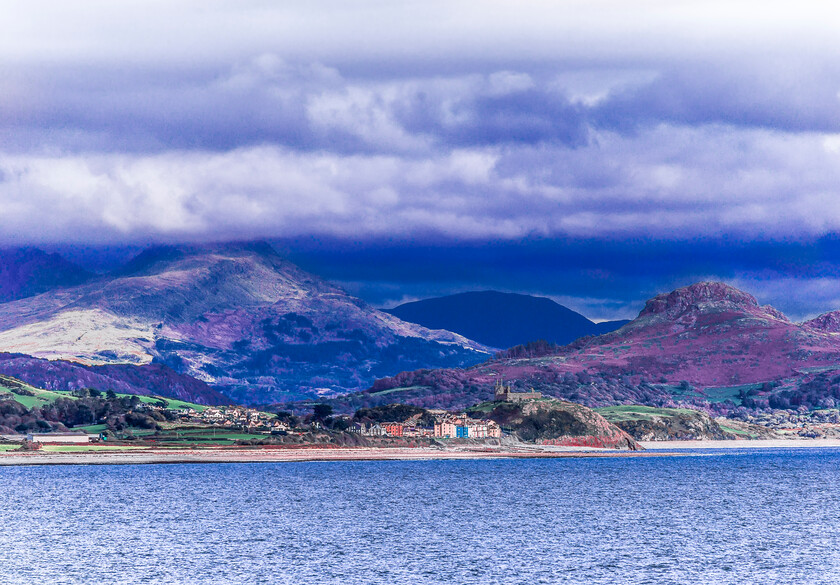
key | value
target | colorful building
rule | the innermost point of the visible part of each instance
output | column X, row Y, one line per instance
column 463, row 427
column 393, row 429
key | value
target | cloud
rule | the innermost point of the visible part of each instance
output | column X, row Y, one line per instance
column 600, row 122
column 782, row 95
column 666, row 182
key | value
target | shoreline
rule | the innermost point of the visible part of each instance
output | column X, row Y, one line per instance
column 263, row 454
column 291, row 455
column 740, row 444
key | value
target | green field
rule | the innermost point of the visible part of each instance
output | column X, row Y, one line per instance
column 92, row 428
column 171, row 402
column 484, row 407
column 733, row 393
column 204, row 436
column 402, row 389
column 7, row 447
column 638, row 412
column 40, row 397
column 20, row 393
column 737, row 431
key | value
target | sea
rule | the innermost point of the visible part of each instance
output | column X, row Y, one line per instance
column 735, row 516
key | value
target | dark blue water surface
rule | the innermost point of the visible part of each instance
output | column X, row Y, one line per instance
column 748, row 517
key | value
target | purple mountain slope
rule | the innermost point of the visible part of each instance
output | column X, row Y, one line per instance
column 152, row 379
column 706, row 343
column 236, row 316
column 827, row 322
column 28, row 271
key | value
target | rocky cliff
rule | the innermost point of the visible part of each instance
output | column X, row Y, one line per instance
column 557, row 422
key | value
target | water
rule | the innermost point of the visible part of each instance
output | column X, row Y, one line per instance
column 749, row 517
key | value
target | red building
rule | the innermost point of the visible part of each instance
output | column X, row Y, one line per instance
column 393, row 429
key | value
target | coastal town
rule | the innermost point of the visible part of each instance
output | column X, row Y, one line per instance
column 446, row 425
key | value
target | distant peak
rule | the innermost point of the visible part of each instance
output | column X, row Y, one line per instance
column 828, row 322
column 704, row 294
column 148, row 258
column 153, row 257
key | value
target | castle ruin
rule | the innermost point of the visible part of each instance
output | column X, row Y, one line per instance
column 504, row 393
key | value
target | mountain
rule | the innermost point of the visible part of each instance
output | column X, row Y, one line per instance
column 151, row 379
column 707, row 344
column 502, row 319
column 26, row 272
column 236, row 316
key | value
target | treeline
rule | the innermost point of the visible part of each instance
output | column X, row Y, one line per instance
column 532, row 349
column 88, row 408
column 823, row 391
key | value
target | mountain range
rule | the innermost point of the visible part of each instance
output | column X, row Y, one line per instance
column 502, row 320
column 707, row 344
column 237, row 322
column 235, row 316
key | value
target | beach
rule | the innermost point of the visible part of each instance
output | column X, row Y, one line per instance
column 741, row 444
column 263, row 454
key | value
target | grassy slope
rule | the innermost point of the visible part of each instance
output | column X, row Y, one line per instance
column 13, row 386
column 177, row 435
column 638, row 412
column 9, row 385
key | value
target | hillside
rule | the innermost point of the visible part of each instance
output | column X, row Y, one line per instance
column 707, row 344
column 31, row 396
column 502, row 320
column 143, row 380
column 645, row 423
column 555, row 422
column 235, row 316
column 26, row 272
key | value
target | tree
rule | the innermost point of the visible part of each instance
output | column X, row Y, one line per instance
column 322, row 411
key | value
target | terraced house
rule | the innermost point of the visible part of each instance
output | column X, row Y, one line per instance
column 463, row 427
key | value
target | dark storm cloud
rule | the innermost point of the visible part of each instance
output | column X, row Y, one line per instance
column 789, row 97
column 602, row 279
column 310, row 106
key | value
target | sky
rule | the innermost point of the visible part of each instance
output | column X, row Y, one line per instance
column 594, row 151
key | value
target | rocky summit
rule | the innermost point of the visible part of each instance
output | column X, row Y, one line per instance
column 236, row 316
column 707, row 344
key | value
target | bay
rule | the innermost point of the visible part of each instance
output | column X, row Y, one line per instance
column 751, row 516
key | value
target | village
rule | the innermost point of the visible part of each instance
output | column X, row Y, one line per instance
column 447, row 425
column 394, row 420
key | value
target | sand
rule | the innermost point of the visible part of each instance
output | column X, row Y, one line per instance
column 285, row 454
column 741, row 444
column 274, row 454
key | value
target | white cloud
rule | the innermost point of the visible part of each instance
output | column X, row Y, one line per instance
column 744, row 183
